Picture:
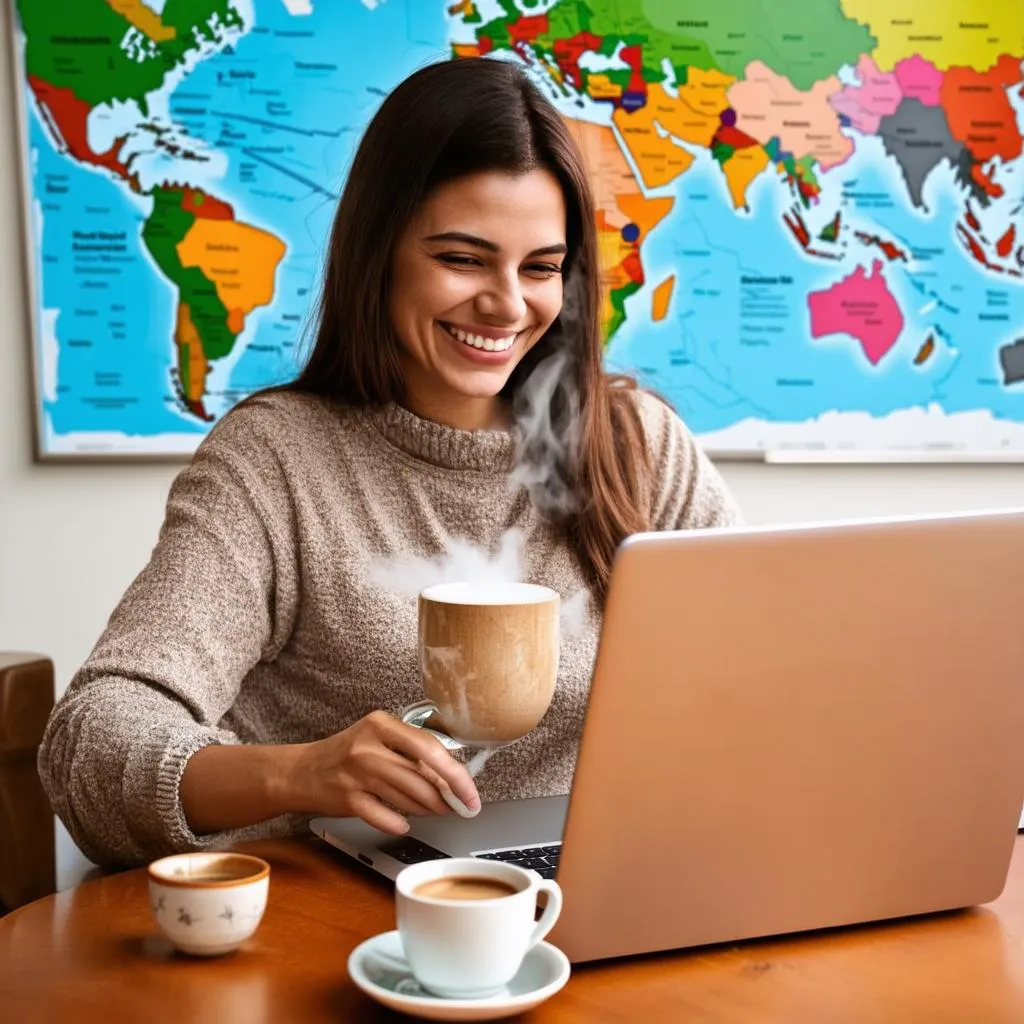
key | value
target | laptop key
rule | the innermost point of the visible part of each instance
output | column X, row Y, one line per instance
column 536, row 863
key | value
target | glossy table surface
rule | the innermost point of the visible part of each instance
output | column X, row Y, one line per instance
column 92, row 954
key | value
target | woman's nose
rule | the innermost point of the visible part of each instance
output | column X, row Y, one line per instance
column 503, row 300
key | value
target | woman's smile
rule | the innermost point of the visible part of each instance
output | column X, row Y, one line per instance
column 484, row 344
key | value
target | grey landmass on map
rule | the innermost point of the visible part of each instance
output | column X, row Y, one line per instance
column 964, row 165
column 918, row 137
column 1011, row 358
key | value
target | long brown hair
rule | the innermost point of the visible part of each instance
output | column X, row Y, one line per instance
column 445, row 121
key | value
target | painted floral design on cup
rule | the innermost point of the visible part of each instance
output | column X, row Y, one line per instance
column 207, row 904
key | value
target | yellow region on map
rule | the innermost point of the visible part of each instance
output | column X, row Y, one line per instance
column 965, row 33
column 143, row 18
column 239, row 259
column 661, row 298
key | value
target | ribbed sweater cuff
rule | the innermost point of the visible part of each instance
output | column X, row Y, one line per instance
column 171, row 763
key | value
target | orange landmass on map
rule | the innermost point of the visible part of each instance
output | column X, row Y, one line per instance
column 696, row 115
column 658, row 159
column 193, row 365
column 601, row 87
column 979, row 112
column 624, row 215
column 741, row 169
column 769, row 106
column 239, row 259
column 145, row 20
column 661, row 298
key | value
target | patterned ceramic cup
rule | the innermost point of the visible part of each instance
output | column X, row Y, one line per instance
column 208, row 903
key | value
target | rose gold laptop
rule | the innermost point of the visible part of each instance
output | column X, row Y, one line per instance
column 788, row 728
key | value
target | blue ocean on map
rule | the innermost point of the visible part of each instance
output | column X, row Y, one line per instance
column 733, row 350
column 287, row 164
column 266, row 120
column 106, row 342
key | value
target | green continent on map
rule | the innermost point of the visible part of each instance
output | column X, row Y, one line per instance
column 223, row 270
column 202, row 332
column 805, row 43
column 106, row 50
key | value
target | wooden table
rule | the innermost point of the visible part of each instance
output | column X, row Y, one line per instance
column 92, row 954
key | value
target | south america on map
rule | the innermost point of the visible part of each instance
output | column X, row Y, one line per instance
column 810, row 216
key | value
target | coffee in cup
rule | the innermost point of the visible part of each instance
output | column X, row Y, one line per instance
column 465, row 887
column 466, row 923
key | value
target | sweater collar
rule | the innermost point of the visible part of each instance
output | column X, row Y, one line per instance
column 440, row 445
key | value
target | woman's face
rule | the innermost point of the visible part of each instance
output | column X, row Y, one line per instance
column 476, row 281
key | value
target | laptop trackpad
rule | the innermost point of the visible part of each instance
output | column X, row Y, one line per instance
column 508, row 823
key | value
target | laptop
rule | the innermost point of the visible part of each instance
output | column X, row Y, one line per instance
column 788, row 728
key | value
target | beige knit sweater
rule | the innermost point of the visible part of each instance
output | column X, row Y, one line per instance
column 256, row 619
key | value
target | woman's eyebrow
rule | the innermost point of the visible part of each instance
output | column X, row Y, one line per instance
column 461, row 236
column 482, row 243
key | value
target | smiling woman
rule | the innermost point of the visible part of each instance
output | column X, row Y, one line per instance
column 250, row 676
column 474, row 300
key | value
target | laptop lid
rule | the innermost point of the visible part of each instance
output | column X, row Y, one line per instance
column 797, row 727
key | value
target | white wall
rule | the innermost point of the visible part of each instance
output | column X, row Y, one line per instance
column 73, row 536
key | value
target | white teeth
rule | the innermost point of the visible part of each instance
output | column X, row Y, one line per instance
column 478, row 341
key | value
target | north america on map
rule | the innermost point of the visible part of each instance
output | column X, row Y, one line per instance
column 810, row 216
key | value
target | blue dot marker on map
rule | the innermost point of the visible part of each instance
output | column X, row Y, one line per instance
column 631, row 232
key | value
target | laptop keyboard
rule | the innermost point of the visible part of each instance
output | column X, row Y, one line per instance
column 542, row 859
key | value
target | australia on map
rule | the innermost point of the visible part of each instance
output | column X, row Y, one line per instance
column 810, row 215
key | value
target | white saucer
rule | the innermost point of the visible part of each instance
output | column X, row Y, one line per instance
column 378, row 967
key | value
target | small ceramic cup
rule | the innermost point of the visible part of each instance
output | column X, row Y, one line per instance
column 470, row 948
column 208, row 903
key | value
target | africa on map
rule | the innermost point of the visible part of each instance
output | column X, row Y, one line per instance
column 810, row 215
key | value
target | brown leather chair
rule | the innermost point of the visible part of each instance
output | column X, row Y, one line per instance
column 27, row 858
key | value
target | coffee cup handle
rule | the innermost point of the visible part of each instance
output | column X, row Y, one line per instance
column 551, row 911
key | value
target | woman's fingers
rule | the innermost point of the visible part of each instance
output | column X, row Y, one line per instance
column 431, row 759
column 373, row 812
column 405, row 790
column 446, row 792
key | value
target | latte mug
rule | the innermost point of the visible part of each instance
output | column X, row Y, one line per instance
column 488, row 659
column 466, row 923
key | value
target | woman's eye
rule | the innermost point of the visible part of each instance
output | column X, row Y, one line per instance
column 543, row 269
column 456, row 259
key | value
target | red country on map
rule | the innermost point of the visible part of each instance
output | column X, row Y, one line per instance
column 862, row 306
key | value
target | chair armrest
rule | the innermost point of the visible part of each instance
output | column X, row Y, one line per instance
column 27, row 856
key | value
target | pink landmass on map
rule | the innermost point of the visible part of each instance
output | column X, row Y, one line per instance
column 919, row 79
column 866, row 104
column 862, row 306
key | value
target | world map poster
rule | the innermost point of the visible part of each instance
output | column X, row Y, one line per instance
column 809, row 213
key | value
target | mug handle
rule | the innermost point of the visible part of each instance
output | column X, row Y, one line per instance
column 423, row 715
column 551, row 911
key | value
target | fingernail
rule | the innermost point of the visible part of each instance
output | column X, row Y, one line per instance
column 458, row 806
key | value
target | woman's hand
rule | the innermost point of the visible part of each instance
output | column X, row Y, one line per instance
column 378, row 761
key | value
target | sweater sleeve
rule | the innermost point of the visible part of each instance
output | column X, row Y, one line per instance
column 217, row 595
column 689, row 492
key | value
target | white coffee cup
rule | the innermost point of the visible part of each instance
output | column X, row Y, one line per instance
column 207, row 904
column 471, row 948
